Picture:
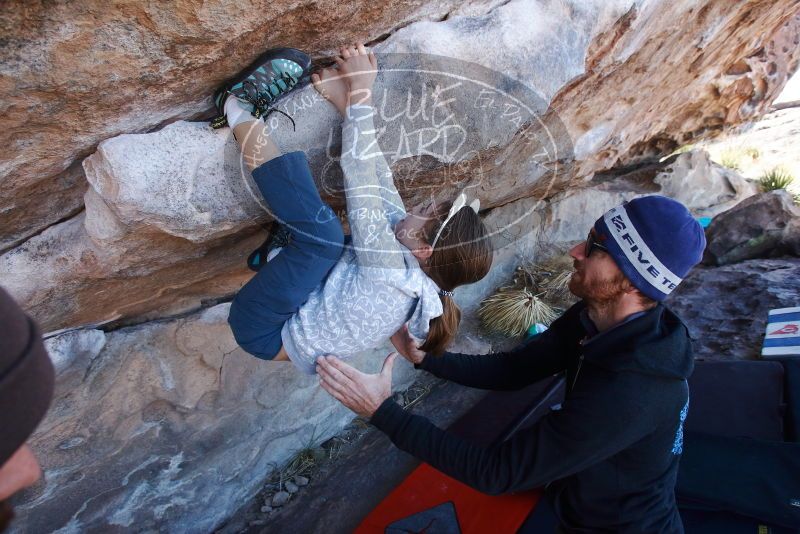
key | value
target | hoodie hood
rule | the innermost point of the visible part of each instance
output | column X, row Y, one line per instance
column 655, row 343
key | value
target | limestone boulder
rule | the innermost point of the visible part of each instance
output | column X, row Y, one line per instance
column 726, row 307
column 765, row 225
column 170, row 426
column 73, row 75
column 149, row 185
column 696, row 181
column 666, row 75
column 66, row 278
column 185, row 180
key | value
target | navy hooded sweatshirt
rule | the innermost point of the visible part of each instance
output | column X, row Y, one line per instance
column 609, row 456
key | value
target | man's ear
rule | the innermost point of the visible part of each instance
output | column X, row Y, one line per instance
column 629, row 287
column 423, row 252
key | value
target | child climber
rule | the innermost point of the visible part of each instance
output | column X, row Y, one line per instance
column 319, row 294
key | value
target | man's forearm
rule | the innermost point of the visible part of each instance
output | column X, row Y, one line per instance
column 505, row 371
column 467, row 462
column 488, row 371
column 593, row 426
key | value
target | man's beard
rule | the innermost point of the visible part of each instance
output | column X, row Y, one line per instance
column 599, row 292
column 6, row 515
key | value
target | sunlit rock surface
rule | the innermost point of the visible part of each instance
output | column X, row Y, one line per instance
column 121, row 207
column 170, row 423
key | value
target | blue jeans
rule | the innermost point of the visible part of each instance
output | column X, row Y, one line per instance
column 282, row 285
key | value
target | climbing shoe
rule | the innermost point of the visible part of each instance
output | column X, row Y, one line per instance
column 279, row 238
column 274, row 74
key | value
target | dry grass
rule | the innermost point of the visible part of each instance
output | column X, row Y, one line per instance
column 737, row 158
column 537, row 294
column 552, row 276
column 512, row 311
column 731, row 159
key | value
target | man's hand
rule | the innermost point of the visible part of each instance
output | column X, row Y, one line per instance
column 407, row 345
column 359, row 391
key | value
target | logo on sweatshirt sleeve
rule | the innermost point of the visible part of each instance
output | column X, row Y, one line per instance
column 677, row 445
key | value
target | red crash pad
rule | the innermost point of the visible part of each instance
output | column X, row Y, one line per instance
column 430, row 501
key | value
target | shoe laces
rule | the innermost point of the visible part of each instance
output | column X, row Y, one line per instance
column 262, row 100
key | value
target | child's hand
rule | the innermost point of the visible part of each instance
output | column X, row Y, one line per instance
column 407, row 345
column 359, row 68
column 333, row 87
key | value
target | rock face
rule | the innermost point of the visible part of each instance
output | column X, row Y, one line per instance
column 193, row 423
column 766, row 225
column 74, row 75
column 649, row 87
column 80, row 280
column 181, row 180
column 549, row 111
column 726, row 307
column 170, row 424
column 709, row 189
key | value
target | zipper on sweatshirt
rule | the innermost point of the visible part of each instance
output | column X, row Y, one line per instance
column 577, row 372
column 580, row 364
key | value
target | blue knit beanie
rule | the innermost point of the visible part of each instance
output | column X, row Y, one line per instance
column 654, row 240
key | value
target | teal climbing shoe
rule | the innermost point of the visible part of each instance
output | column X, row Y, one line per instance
column 279, row 237
column 274, row 74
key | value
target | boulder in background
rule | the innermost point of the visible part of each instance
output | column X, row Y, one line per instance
column 763, row 226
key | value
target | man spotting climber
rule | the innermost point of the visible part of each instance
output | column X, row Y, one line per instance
column 609, row 457
column 26, row 389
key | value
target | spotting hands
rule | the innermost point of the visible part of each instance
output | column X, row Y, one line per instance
column 361, row 392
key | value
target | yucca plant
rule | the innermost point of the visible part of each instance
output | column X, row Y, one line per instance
column 557, row 286
column 776, row 178
column 537, row 294
column 552, row 276
column 511, row 311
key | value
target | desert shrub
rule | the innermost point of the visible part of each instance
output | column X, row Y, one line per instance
column 776, row 178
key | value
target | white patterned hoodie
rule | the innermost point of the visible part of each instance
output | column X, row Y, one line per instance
column 377, row 285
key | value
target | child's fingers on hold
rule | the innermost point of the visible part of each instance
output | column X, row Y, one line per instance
column 344, row 52
column 361, row 49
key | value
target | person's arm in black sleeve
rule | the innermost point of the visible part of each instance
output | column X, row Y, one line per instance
column 589, row 428
column 543, row 356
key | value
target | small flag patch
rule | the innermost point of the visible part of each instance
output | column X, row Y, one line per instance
column 783, row 333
